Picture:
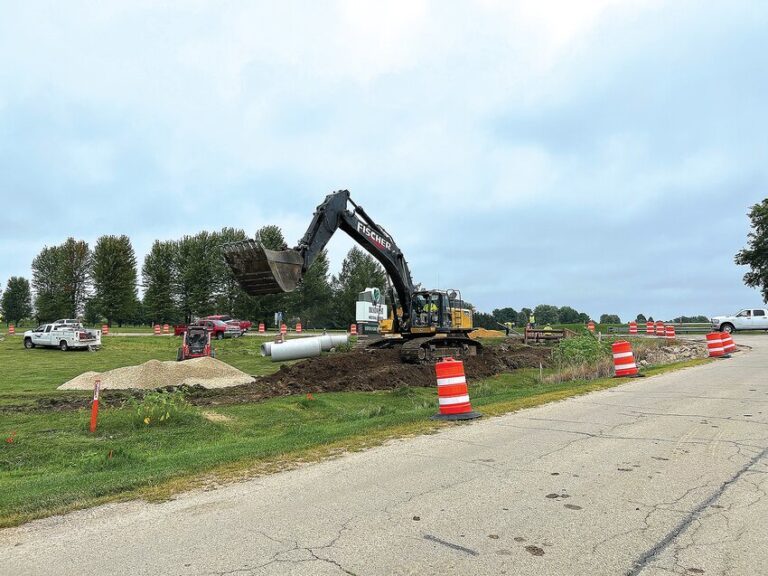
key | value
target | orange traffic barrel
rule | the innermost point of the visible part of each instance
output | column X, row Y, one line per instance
column 649, row 328
column 452, row 393
column 623, row 359
column 105, row 329
column 633, row 327
column 11, row 329
column 157, row 329
column 283, row 328
column 166, row 328
column 353, row 329
column 298, row 328
column 659, row 328
column 261, row 327
column 669, row 332
column 591, row 326
column 728, row 343
column 715, row 345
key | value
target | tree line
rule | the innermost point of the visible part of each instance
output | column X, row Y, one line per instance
column 181, row 280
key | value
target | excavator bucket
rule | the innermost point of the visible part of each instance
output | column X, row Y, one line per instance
column 262, row 271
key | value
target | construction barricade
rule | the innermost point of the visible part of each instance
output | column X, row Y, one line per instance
column 728, row 344
column 715, row 345
column 452, row 392
column 623, row 359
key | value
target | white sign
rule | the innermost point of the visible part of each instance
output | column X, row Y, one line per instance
column 368, row 312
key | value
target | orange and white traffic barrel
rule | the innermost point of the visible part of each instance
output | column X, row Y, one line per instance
column 157, row 329
column 659, row 328
column 11, row 329
column 166, row 328
column 353, row 329
column 715, row 345
column 298, row 328
column 633, row 327
column 623, row 359
column 283, row 328
column 649, row 330
column 452, row 392
column 728, row 344
column 669, row 332
column 261, row 327
column 105, row 329
column 591, row 326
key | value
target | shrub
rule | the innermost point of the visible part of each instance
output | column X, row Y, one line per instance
column 160, row 408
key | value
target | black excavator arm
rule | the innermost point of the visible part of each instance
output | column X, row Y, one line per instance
column 263, row 271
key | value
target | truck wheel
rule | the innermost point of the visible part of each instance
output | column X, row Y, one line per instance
column 63, row 346
column 28, row 344
column 726, row 328
column 219, row 335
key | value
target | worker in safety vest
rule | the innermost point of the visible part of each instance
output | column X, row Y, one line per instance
column 531, row 321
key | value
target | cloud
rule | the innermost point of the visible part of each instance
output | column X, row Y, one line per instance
column 600, row 154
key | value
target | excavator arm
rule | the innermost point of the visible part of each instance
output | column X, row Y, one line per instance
column 263, row 271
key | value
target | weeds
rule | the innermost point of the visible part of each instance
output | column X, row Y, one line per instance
column 161, row 408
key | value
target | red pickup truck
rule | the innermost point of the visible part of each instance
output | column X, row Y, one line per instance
column 243, row 324
column 217, row 328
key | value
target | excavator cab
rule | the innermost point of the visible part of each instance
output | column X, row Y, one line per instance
column 430, row 312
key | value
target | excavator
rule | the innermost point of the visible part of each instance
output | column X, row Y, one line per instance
column 427, row 325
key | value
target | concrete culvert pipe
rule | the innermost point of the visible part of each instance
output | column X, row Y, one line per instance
column 266, row 349
column 328, row 341
column 295, row 349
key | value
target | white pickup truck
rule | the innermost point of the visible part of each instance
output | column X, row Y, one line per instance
column 747, row 319
column 64, row 336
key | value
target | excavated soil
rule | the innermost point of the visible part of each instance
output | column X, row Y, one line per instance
column 357, row 370
column 367, row 370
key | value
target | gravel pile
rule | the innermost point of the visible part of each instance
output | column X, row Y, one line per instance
column 206, row 372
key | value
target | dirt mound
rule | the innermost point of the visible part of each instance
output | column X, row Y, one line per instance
column 367, row 370
column 483, row 333
column 205, row 372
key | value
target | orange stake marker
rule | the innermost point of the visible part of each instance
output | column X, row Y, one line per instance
column 95, row 405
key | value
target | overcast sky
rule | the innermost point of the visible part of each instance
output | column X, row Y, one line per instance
column 601, row 154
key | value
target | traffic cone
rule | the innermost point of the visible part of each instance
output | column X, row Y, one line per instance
column 623, row 359
column 452, row 393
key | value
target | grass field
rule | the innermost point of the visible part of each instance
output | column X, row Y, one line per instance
column 50, row 463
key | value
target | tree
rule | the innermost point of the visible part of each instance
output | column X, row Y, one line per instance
column 568, row 315
column 229, row 296
column 196, row 281
column 755, row 255
column 50, row 303
column 502, row 315
column 114, row 278
column 546, row 314
column 641, row 319
column 16, row 301
column 75, row 267
column 484, row 320
column 159, row 281
column 523, row 316
column 312, row 300
column 358, row 272
column 609, row 319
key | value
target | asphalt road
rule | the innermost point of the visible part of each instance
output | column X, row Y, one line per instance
column 664, row 475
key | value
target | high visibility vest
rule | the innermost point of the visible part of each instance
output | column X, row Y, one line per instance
column 531, row 319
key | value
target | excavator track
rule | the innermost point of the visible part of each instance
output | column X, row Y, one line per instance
column 431, row 350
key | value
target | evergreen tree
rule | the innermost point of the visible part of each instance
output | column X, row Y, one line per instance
column 50, row 303
column 159, row 281
column 74, row 272
column 312, row 300
column 114, row 278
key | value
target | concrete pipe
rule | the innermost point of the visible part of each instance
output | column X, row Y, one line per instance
column 266, row 349
column 295, row 349
column 328, row 341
